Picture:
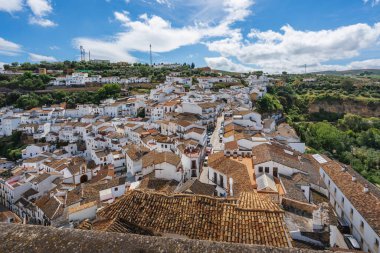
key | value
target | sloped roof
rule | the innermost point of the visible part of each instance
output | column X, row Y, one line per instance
column 252, row 219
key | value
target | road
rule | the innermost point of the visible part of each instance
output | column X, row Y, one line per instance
column 216, row 146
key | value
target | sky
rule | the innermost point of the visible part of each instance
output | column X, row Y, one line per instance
column 232, row 35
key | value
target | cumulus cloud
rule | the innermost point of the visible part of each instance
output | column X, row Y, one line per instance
column 39, row 58
column 40, row 9
column 9, row 48
column 289, row 49
column 41, row 21
column 155, row 30
column 11, row 5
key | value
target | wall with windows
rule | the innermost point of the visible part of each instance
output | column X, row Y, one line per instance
column 360, row 229
column 270, row 167
column 220, row 180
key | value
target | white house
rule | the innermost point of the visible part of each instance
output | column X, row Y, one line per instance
column 355, row 200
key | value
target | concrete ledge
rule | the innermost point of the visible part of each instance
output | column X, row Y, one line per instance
column 28, row 238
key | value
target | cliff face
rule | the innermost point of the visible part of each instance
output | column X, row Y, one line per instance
column 362, row 108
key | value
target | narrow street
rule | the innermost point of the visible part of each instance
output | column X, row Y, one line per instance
column 216, row 145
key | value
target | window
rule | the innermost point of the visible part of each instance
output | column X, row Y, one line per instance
column 352, row 212
column 215, row 178
column 335, row 191
column 221, row 181
column 342, row 201
column 362, row 225
column 376, row 243
column 329, row 182
column 266, row 169
column 261, row 169
column 116, row 189
column 275, row 171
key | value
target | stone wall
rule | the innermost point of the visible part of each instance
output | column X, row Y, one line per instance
column 28, row 238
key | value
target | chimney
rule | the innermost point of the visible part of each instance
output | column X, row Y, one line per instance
column 353, row 179
column 366, row 190
column 231, row 187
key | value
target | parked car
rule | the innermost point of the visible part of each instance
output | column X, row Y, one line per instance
column 351, row 242
column 343, row 226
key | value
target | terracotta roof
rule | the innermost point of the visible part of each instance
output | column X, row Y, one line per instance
column 367, row 204
column 135, row 152
column 196, row 130
column 232, row 145
column 252, row 219
column 149, row 182
column 194, row 186
column 154, row 158
column 232, row 169
column 117, row 225
column 52, row 208
column 183, row 123
column 280, row 154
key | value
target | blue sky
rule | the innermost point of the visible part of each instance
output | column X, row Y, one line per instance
column 236, row 35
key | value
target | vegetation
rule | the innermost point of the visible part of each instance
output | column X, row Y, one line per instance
column 269, row 104
column 351, row 139
column 11, row 146
column 31, row 100
column 26, row 81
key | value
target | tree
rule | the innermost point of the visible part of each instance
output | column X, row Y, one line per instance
column 347, row 84
column 109, row 91
column 192, row 65
column 269, row 104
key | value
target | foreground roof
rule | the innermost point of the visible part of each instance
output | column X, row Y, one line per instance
column 251, row 219
column 28, row 238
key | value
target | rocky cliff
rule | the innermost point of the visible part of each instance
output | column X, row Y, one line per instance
column 362, row 108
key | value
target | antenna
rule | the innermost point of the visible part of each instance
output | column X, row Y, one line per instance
column 82, row 54
column 89, row 55
column 150, row 50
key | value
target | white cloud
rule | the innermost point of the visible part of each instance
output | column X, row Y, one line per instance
column 290, row 49
column 164, row 2
column 40, row 9
column 39, row 58
column 11, row 5
column 41, row 22
column 146, row 30
column 222, row 63
column 9, row 48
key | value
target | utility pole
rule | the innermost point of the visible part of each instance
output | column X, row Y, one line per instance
column 150, row 50
column 305, row 68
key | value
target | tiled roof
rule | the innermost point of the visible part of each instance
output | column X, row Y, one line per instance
column 154, row 158
column 232, row 145
column 149, row 182
column 367, row 204
column 253, row 219
column 117, row 225
column 277, row 153
column 232, row 169
column 135, row 152
column 194, row 186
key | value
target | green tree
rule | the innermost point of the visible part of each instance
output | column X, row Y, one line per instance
column 269, row 104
